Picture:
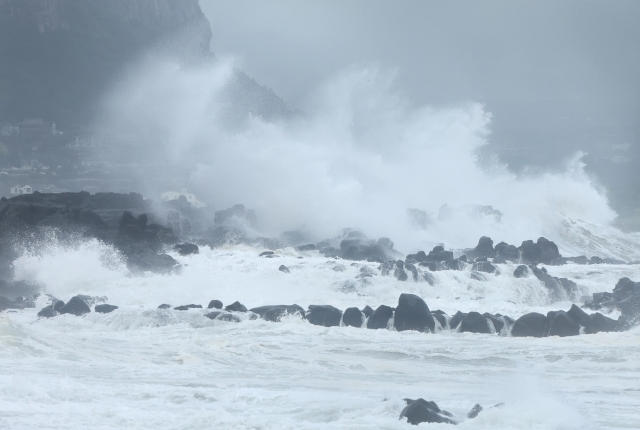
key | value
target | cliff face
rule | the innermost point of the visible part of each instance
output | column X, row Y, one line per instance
column 57, row 56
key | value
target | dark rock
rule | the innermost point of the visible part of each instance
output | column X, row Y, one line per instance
column 521, row 271
column 474, row 411
column 187, row 307
column 105, row 308
column 367, row 311
column 75, row 306
column 164, row 306
column 267, row 254
column 456, row 319
column 145, row 260
column 236, row 307
column 215, row 304
column 579, row 316
column 187, row 248
column 484, row 266
column 532, row 324
column 484, row 248
column 596, row 260
column 352, row 317
column 419, row 257
column 601, row 300
column 506, row 252
column 600, row 323
column 422, row 411
column 222, row 316
column 543, row 251
column 498, row 321
column 441, row 317
column 581, row 259
column 560, row 288
column 357, row 247
column 561, row 324
column 283, row 268
column 275, row 313
column 324, row 315
column 412, row 313
column 399, row 272
column 308, row 247
column 380, row 317
column 474, row 322
column 413, row 270
column 51, row 310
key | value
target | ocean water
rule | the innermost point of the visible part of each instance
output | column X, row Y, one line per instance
column 142, row 368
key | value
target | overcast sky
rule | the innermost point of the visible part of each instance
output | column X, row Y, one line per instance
column 557, row 75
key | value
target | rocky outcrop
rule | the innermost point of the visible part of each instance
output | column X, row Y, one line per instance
column 412, row 313
column 423, row 411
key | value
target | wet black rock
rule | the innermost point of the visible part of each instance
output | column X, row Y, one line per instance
column 399, row 271
column 475, row 411
column 532, row 325
column 600, row 323
column 275, row 313
column 578, row 315
column 51, row 310
column 474, row 322
column 484, row 266
column 236, row 307
column 484, row 248
column 560, row 323
column 164, row 306
column 358, row 247
column 187, row 248
column 187, row 307
column 380, row 317
column 499, row 321
column 284, row 269
column 215, row 304
column 441, row 317
column 506, row 252
column 423, row 411
column 267, row 254
column 75, row 306
column 324, row 315
column 412, row 313
column 456, row 319
column 521, row 271
column 560, row 288
column 542, row 251
column 367, row 311
column 222, row 316
column 353, row 317
column 105, row 308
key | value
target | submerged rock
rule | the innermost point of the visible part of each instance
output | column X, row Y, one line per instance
column 284, row 269
column 187, row 307
column 105, row 308
column 560, row 323
column 474, row 322
column 521, row 271
column 423, row 411
column 275, row 313
column 187, row 248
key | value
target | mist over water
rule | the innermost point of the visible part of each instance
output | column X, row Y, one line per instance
column 359, row 155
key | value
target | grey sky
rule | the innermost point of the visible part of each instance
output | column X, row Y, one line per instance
column 557, row 75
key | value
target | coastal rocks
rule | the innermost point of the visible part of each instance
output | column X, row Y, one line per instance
column 484, row 266
column 222, row 316
column 164, row 306
column 52, row 310
column 521, row 271
column 561, row 324
column 214, row 304
column 105, row 308
column 380, row 317
column 236, row 307
column 275, row 313
column 560, row 288
column 284, row 269
column 75, row 306
column 423, row 411
column 530, row 325
column 474, row 322
column 542, row 251
column 506, row 252
column 324, row 315
column 412, row 313
column 353, row 317
column 484, row 248
column 187, row 307
column 357, row 247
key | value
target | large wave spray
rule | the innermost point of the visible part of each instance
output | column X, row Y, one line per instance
column 360, row 156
